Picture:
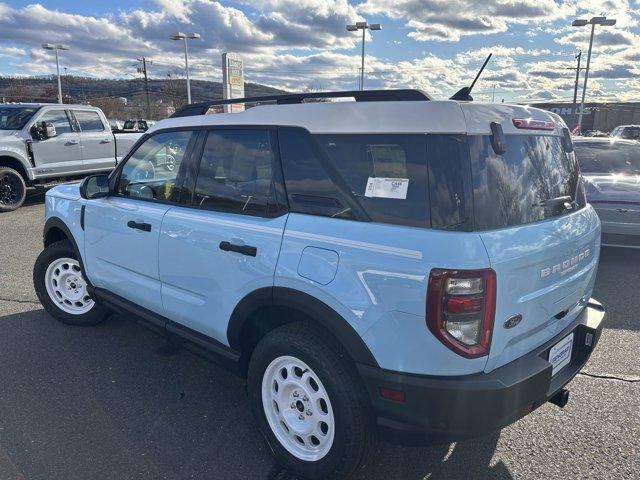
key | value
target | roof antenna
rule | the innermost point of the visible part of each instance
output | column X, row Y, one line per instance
column 464, row 94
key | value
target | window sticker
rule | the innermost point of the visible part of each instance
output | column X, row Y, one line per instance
column 387, row 188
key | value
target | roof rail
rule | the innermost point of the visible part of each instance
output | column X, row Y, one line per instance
column 293, row 98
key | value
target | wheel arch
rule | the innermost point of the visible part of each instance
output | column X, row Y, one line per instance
column 267, row 308
column 55, row 230
column 16, row 163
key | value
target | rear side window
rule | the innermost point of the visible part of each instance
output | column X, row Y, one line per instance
column 313, row 186
column 236, row 172
column 89, row 121
column 510, row 189
column 386, row 173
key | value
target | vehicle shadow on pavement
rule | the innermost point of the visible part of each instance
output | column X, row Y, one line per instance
column 111, row 402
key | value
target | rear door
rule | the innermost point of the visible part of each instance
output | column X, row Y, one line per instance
column 545, row 257
column 98, row 146
column 123, row 229
column 226, row 243
column 61, row 154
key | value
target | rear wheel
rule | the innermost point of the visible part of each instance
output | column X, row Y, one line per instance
column 13, row 190
column 308, row 403
column 62, row 288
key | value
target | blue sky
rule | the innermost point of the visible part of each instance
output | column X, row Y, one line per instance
column 436, row 45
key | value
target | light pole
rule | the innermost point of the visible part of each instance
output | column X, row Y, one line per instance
column 605, row 22
column 185, row 37
column 363, row 26
column 56, row 48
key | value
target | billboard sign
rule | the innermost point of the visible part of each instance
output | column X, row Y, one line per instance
column 232, row 81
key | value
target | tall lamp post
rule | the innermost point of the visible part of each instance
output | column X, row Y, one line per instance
column 56, row 48
column 605, row 22
column 185, row 37
column 364, row 26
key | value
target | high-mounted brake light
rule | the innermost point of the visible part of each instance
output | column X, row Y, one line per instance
column 530, row 124
column 461, row 309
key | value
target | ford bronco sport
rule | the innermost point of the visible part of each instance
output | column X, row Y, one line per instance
column 395, row 266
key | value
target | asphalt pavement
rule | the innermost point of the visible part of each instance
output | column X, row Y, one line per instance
column 108, row 402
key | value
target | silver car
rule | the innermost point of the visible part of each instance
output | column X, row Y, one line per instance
column 611, row 169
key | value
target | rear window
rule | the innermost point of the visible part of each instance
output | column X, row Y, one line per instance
column 608, row 157
column 508, row 189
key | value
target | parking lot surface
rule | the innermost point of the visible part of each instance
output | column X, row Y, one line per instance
column 109, row 402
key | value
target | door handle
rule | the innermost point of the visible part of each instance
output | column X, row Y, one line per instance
column 105, row 140
column 243, row 249
column 72, row 142
column 145, row 227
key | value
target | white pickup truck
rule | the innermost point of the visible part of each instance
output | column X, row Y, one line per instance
column 42, row 144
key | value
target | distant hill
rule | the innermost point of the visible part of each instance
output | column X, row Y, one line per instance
column 120, row 98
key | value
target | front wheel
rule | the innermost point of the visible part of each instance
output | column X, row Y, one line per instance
column 62, row 288
column 13, row 190
column 308, row 403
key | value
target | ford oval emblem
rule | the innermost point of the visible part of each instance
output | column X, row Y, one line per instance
column 512, row 321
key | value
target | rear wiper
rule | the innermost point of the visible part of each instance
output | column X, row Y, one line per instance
column 566, row 201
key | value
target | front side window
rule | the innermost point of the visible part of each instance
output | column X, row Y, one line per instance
column 236, row 172
column 516, row 187
column 89, row 121
column 151, row 172
column 59, row 120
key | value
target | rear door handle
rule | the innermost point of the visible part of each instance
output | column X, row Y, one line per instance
column 106, row 140
column 243, row 249
column 145, row 227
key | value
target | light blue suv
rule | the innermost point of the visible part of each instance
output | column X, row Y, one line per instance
column 394, row 266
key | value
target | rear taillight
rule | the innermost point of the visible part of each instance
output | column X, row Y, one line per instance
column 460, row 309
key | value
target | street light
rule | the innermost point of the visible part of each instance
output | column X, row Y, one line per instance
column 605, row 22
column 185, row 37
column 363, row 26
column 56, row 48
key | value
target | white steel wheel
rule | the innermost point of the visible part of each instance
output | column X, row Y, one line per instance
column 298, row 409
column 66, row 286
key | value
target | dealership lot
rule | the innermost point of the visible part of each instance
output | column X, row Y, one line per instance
column 110, row 402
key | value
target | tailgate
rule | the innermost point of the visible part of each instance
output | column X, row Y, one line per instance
column 545, row 272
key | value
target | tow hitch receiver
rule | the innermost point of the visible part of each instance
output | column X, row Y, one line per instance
column 561, row 398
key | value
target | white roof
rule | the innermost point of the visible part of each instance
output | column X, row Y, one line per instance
column 378, row 117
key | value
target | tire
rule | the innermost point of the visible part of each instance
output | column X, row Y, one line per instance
column 13, row 190
column 61, row 287
column 324, row 372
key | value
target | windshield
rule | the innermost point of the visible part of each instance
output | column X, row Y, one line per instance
column 14, row 118
column 608, row 157
column 630, row 133
column 531, row 181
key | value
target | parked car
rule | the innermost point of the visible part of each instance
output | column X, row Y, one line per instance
column 414, row 269
column 595, row 133
column 42, row 144
column 627, row 132
column 611, row 168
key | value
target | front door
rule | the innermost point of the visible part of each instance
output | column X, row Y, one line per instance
column 98, row 145
column 122, row 230
column 59, row 155
column 226, row 243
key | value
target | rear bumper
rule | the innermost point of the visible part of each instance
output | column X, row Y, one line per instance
column 455, row 408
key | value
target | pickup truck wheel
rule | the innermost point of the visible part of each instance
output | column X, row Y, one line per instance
column 308, row 403
column 12, row 189
column 62, row 288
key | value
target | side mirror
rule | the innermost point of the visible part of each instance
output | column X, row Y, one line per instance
column 95, row 186
column 37, row 132
column 50, row 130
